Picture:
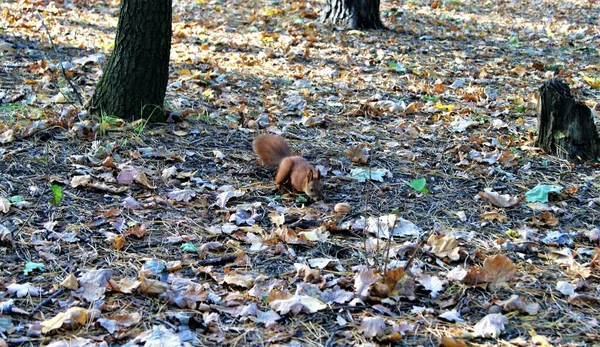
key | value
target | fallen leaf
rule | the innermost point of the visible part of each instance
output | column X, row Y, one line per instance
column 432, row 283
column 297, row 303
column 4, row 204
column 516, row 303
column 80, row 181
column 70, row 282
column 490, row 326
column 372, row 326
column 444, row 246
column 499, row 269
column 363, row 280
column 498, row 200
column 22, row 290
column 74, row 316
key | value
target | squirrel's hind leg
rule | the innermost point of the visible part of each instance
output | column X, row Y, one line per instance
column 283, row 173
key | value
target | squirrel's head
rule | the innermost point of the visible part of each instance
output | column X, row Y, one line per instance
column 313, row 187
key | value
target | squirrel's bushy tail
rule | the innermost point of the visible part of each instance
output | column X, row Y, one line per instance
column 271, row 149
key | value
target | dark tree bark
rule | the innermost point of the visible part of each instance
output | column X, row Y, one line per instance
column 356, row 14
column 135, row 79
column 565, row 126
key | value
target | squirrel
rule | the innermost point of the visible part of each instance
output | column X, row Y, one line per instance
column 273, row 150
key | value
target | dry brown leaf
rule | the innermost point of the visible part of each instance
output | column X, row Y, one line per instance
column 475, row 276
column 80, row 181
column 363, row 280
column 494, row 215
column 451, row 342
column 307, row 274
column 516, row 303
column 150, row 286
column 387, row 283
column 295, row 304
column 444, row 246
column 546, row 220
column 70, row 282
column 73, row 316
column 125, row 285
column 499, row 269
column 498, row 200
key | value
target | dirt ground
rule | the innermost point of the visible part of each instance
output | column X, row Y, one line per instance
column 174, row 234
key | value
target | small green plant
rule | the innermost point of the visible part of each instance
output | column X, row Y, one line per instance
column 57, row 195
column 521, row 108
column 140, row 125
column 106, row 121
column 205, row 117
column 432, row 98
column 419, row 185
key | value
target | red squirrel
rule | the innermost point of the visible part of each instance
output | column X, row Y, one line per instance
column 273, row 150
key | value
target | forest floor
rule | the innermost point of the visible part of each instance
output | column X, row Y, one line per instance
column 459, row 232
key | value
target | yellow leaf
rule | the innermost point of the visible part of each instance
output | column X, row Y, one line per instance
column 73, row 314
column 70, row 282
column 448, row 107
column 593, row 82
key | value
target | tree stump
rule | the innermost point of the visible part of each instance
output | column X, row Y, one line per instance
column 565, row 127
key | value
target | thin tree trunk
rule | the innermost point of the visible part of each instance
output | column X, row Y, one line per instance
column 134, row 82
column 356, row 14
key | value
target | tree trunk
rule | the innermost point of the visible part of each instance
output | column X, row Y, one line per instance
column 134, row 82
column 356, row 14
column 565, row 126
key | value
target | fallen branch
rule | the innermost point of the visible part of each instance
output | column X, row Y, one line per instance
column 45, row 301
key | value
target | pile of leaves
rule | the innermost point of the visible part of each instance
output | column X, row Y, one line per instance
column 441, row 223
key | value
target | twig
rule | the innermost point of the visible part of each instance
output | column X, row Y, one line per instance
column 45, row 301
column 419, row 247
column 219, row 260
column 16, row 233
column 331, row 340
column 62, row 69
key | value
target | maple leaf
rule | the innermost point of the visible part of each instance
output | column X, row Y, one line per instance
column 22, row 290
column 432, row 283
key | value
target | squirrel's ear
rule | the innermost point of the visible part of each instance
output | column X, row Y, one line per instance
column 309, row 175
column 317, row 174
